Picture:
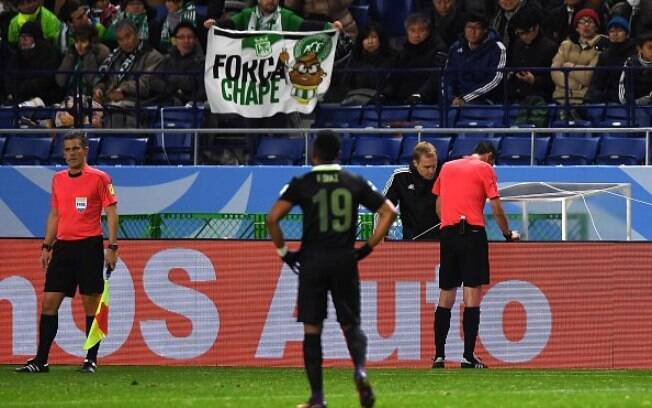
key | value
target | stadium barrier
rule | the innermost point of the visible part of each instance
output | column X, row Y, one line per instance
column 232, row 303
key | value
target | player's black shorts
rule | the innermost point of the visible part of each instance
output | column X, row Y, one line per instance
column 76, row 263
column 333, row 270
column 464, row 257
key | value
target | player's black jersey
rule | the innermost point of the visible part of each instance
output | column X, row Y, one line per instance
column 329, row 198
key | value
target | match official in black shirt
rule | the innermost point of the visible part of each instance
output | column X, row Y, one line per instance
column 327, row 261
column 410, row 189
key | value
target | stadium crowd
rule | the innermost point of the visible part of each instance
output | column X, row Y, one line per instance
column 139, row 53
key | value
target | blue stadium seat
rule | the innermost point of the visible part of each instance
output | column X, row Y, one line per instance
column 360, row 14
column 392, row 14
column 7, row 116
column 25, row 149
column 330, row 114
column 442, row 144
column 477, row 116
column 515, row 150
column 464, row 145
column 122, row 150
column 394, row 114
column 620, row 150
column 572, row 150
column 370, row 116
column 530, row 116
column 426, row 115
column 376, row 149
column 346, row 148
column 56, row 155
column 279, row 150
column 175, row 148
column 557, row 122
column 3, row 142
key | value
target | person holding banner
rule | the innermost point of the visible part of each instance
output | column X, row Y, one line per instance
column 327, row 261
column 72, row 252
column 462, row 188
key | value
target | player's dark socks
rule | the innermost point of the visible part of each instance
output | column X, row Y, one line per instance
column 92, row 352
column 312, row 360
column 470, row 324
column 442, row 326
column 48, row 327
column 356, row 341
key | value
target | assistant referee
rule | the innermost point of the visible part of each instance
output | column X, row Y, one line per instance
column 463, row 186
column 72, row 251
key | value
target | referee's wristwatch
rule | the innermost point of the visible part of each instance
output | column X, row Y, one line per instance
column 113, row 247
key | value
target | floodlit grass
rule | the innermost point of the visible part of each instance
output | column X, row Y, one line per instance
column 285, row 387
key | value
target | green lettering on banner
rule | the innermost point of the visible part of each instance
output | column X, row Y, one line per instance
column 274, row 96
column 252, row 96
column 227, row 90
column 264, row 91
column 240, row 89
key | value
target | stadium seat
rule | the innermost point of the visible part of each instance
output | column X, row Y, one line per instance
column 25, row 149
column 3, row 142
column 329, row 114
column 464, row 145
column 515, row 150
column 56, row 155
column 572, row 150
column 442, row 144
column 392, row 14
column 426, row 115
column 279, row 150
column 7, row 116
column 360, row 14
column 477, row 116
column 394, row 115
column 620, row 150
column 122, row 150
column 175, row 148
column 376, row 149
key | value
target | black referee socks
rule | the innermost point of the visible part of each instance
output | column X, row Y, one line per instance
column 470, row 324
column 92, row 352
column 442, row 325
column 47, row 332
column 312, row 360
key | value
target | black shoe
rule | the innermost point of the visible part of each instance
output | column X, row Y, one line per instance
column 33, row 367
column 312, row 404
column 472, row 362
column 89, row 367
column 365, row 392
column 438, row 362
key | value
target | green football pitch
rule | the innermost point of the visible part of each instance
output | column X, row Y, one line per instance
column 117, row 386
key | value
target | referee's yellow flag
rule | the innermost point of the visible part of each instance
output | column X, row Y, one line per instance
column 100, row 326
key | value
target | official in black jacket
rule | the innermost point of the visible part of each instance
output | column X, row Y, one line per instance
column 411, row 190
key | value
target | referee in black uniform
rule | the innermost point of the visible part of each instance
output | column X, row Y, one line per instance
column 410, row 189
column 327, row 261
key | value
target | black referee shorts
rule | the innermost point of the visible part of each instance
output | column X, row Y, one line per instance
column 464, row 257
column 76, row 263
column 323, row 271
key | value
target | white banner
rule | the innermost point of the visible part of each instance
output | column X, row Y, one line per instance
column 260, row 73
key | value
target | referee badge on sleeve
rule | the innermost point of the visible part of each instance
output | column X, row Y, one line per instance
column 111, row 190
column 81, row 203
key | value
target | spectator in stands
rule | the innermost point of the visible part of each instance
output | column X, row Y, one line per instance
column 602, row 8
column 33, row 11
column 447, row 20
column 178, row 11
column 475, row 63
column 142, row 16
column 185, row 56
column 636, row 84
column 7, row 12
column 531, row 49
column 581, row 50
column 334, row 10
column 75, row 15
column 422, row 49
column 85, row 54
column 638, row 13
column 33, row 54
column 479, row 7
column 124, row 89
column 104, row 11
column 508, row 10
column 604, row 84
column 559, row 23
column 371, row 55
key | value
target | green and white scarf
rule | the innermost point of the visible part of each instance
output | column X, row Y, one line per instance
column 126, row 65
column 270, row 22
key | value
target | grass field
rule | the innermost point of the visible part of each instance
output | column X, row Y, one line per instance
column 281, row 387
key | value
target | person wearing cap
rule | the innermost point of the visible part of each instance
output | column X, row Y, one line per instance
column 30, row 68
column 605, row 81
column 186, row 55
column 531, row 49
column 581, row 50
column 479, row 50
column 33, row 11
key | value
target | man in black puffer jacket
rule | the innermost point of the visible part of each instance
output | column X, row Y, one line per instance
column 411, row 190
